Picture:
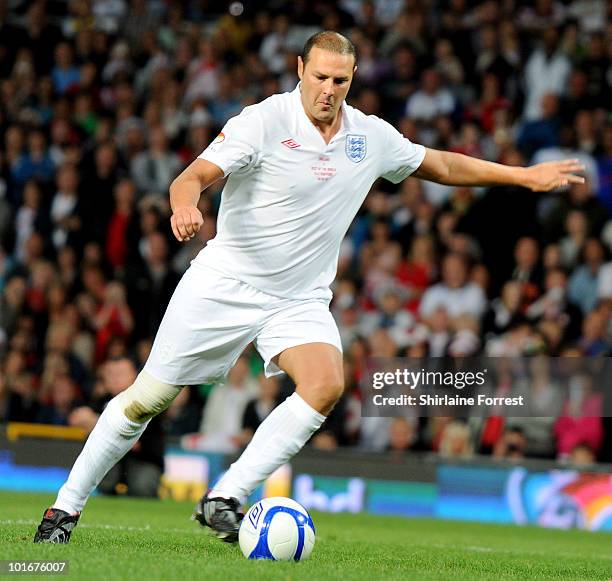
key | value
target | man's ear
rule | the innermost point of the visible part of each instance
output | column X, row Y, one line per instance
column 300, row 68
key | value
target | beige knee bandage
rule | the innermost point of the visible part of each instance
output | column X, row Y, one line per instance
column 147, row 397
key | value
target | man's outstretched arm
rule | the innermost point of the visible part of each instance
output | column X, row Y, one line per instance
column 185, row 193
column 456, row 169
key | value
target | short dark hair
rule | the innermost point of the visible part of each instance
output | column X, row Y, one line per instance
column 331, row 41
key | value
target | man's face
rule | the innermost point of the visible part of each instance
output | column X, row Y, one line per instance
column 526, row 253
column 118, row 375
column 454, row 272
column 326, row 78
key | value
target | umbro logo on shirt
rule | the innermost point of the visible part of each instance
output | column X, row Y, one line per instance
column 290, row 143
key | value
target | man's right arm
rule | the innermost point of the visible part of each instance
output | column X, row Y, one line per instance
column 185, row 193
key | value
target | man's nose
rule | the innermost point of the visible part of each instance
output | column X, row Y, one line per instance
column 329, row 87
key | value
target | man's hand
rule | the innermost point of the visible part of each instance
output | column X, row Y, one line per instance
column 455, row 169
column 83, row 417
column 185, row 193
column 186, row 221
column 547, row 176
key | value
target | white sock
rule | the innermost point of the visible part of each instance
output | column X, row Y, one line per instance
column 280, row 437
column 112, row 437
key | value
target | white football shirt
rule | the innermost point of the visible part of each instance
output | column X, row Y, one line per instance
column 290, row 197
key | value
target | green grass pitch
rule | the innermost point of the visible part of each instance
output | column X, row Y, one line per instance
column 121, row 538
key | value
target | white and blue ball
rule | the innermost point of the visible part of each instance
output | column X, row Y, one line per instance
column 278, row 529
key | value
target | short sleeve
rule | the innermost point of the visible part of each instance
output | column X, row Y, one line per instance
column 401, row 157
column 239, row 143
column 429, row 302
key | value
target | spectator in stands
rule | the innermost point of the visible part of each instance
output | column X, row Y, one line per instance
column 419, row 270
column 594, row 340
column 65, row 75
column 40, row 35
column 438, row 332
column 390, row 314
column 121, row 227
column 154, row 169
column 30, row 218
column 6, row 267
column 595, row 63
column 185, row 413
column 22, row 404
column 505, row 310
column 150, row 284
column 511, row 446
column 401, row 80
column 275, row 44
column 65, row 222
column 554, row 305
column 455, row 293
column 527, row 268
column 222, row 423
column 466, row 337
column 604, row 167
column 226, row 103
column 142, row 467
column 546, row 71
column 582, row 456
column 586, row 134
column 402, row 435
column 456, row 441
column 431, row 100
column 577, row 198
column 543, row 131
column 576, row 98
column 113, row 318
column 99, row 178
column 61, row 400
column 36, row 164
column 580, row 421
column 12, row 303
column 551, row 257
column 543, row 396
column 583, row 290
column 571, row 245
column 258, row 409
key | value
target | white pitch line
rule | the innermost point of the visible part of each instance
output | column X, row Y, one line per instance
column 148, row 529
column 145, row 529
column 479, row 549
column 482, row 549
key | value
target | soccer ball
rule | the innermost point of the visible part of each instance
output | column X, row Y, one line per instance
column 278, row 529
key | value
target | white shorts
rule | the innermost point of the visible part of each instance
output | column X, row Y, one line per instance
column 211, row 319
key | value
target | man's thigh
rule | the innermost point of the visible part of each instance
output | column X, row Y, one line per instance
column 302, row 340
column 312, row 364
column 316, row 369
column 302, row 327
column 210, row 320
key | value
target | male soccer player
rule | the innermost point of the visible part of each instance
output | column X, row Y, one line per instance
column 300, row 165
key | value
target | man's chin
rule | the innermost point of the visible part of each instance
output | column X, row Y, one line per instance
column 325, row 116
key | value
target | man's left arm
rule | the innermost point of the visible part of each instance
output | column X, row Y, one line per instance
column 456, row 169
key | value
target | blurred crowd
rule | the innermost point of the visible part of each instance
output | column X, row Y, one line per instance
column 103, row 102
